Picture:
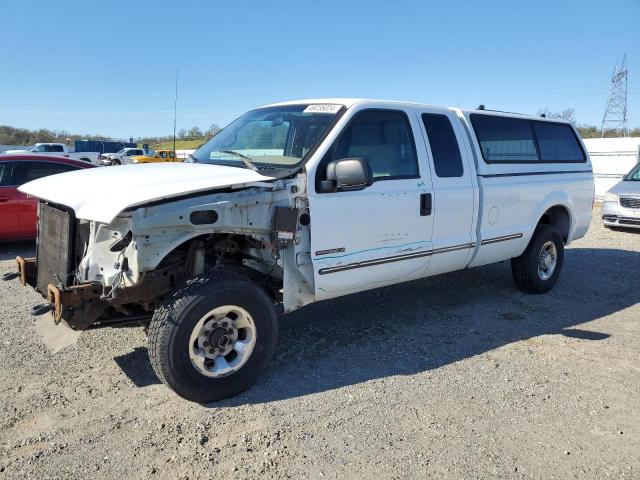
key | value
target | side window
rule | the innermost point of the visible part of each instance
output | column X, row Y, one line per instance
column 25, row 172
column 62, row 168
column 6, row 178
column 444, row 145
column 557, row 143
column 505, row 139
column 40, row 148
column 383, row 138
column 55, row 148
column 163, row 154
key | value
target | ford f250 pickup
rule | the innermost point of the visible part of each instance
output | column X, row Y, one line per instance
column 299, row 202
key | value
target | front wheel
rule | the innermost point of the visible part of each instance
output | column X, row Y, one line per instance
column 213, row 337
column 538, row 268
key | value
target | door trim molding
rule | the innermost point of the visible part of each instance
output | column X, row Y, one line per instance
column 394, row 258
column 504, row 238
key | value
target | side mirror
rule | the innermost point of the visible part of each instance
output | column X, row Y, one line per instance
column 347, row 174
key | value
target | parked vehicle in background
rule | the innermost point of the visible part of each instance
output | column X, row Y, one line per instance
column 121, row 157
column 57, row 150
column 86, row 150
column 299, row 202
column 158, row 156
column 18, row 210
column 621, row 206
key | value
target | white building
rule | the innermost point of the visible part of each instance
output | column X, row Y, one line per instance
column 612, row 158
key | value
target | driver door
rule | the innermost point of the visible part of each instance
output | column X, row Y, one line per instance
column 381, row 234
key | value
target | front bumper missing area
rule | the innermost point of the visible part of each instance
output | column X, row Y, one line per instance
column 27, row 271
column 70, row 303
column 71, row 299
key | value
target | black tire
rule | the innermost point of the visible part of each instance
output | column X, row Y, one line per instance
column 115, row 162
column 525, row 267
column 175, row 319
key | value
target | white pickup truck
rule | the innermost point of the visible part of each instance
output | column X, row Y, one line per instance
column 299, row 202
column 121, row 157
column 58, row 150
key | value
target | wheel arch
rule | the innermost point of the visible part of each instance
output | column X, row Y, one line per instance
column 559, row 217
column 556, row 209
column 210, row 239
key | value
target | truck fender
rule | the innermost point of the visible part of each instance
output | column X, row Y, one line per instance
column 556, row 198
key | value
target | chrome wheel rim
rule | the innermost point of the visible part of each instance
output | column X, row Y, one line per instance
column 547, row 260
column 222, row 341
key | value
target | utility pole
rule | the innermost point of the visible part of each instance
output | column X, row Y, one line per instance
column 615, row 115
column 175, row 116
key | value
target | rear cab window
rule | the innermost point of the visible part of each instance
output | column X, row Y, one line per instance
column 519, row 140
column 444, row 145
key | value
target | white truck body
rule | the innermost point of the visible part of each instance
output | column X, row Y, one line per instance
column 486, row 215
column 58, row 150
column 384, row 192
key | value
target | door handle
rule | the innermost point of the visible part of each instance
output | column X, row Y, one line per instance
column 4, row 199
column 426, row 202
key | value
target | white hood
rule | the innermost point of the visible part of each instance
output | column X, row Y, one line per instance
column 102, row 193
column 16, row 151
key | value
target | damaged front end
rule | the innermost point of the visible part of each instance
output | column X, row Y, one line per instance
column 94, row 274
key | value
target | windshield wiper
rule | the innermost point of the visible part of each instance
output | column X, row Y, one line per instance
column 246, row 160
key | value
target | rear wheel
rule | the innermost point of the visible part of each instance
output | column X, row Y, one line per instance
column 538, row 268
column 213, row 337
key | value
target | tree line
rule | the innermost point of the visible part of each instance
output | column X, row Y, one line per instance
column 23, row 136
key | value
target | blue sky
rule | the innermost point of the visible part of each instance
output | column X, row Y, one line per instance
column 108, row 67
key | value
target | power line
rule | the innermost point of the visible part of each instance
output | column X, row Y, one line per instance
column 615, row 115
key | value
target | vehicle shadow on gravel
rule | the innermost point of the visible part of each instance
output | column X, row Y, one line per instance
column 422, row 325
column 10, row 250
column 137, row 367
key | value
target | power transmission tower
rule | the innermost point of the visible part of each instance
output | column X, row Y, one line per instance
column 615, row 115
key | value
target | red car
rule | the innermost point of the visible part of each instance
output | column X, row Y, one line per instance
column 17, row 210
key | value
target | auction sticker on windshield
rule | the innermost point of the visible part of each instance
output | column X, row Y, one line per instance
column 323, row 108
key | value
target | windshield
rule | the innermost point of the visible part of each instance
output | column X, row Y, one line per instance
column 271, row 137
column 121, row 151
column 634, row 174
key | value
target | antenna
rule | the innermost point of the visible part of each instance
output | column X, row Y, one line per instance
column 615, row 115
column 175, row 115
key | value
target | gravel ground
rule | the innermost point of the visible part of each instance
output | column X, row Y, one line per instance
column 458, row 376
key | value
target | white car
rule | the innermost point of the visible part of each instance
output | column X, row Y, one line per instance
column 58, row 150
column 298, row 202
column 121, row 157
